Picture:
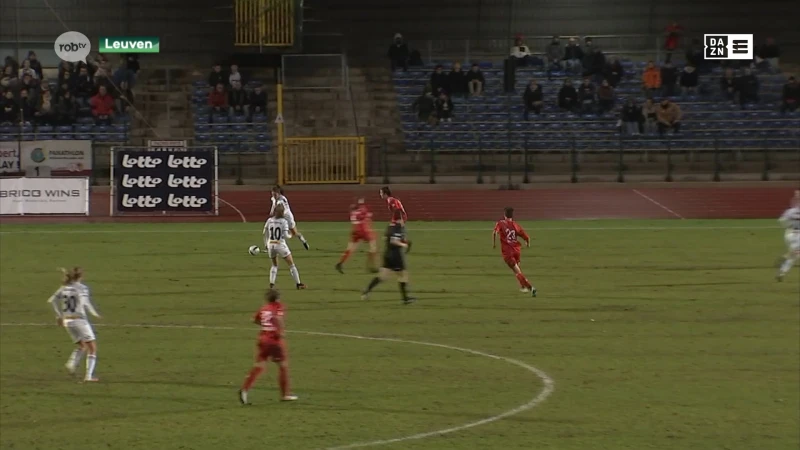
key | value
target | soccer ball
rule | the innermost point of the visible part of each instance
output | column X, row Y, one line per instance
column 254, row 250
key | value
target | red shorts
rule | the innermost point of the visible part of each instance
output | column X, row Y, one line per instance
column 512, row 258
column 271, row 350
column 357, row 236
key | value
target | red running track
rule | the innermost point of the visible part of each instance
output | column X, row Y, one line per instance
column 703, row 202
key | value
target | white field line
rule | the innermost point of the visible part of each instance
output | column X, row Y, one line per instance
column 636, row 191
column 547, row 389
column 344, row 230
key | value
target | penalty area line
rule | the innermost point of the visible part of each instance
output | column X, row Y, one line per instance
column 548, row 384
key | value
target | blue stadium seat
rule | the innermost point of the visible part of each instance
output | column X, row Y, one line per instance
column 64, row 137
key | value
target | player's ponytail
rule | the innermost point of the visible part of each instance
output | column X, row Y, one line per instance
column 69, row 276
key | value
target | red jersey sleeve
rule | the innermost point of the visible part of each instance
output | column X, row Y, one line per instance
column 497, row 227
column 521, row 232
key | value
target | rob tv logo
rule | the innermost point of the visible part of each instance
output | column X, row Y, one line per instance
column 72, row 47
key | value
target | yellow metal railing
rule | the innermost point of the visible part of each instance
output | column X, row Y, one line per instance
column 264, row 23
column 323, row 160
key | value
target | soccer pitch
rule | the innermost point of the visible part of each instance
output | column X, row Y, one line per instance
column 646, row 334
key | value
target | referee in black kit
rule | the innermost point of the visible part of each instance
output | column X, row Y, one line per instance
column 394, row 259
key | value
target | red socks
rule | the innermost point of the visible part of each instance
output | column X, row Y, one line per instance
column 523, row 282
column 344, row 257
column 251, row 378
column 283, row 380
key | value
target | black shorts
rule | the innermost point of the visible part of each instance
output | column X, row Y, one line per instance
column 395, row 261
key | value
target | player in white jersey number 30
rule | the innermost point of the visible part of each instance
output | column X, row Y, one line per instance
column 791, row 222
column 279, row 199
column 71, row 302
column 275, row 232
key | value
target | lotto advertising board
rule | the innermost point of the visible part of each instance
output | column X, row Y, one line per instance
column 23, row 196
column 156, row 182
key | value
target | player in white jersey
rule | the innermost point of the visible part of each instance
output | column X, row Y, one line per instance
column 279, row 199
column 275, row 232
column 71, row 303
column 790, row 220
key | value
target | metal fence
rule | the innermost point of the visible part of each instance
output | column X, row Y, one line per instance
column 265, row 23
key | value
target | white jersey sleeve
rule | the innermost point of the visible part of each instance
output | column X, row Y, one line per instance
column 790, row 219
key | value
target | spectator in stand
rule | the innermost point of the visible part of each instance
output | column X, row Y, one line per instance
column 791, row 96
column 84, row 86
column 11, row 62
column 103, row 68
column 631, row 117
column 669, row 117
column 573, row 56
column 46, row 111
column 520, row 52
column 673, row 32
column 9, row 78
column 769, row 53
column 35, row 64
column 727, row 85
column 651, row 79
column 66, row 109
column 615, row 72
column 425, row 106
column 594, row 61
column 554, row 53
column 689, row 80
column 444, row 108
column 218, row 99
column 439, row 81
column 237, row 100
column 533, row 99
column 669, row 78
column 26, row 69
column 586, row 96
column 398, row 53
column 27, row 105
column 475, row 80
column 123, row 73
column 67, row 83
column 132, row 63
column 102, row 106
column 216, row 76
column 650, row 116
column 9, row 109
column 235, row 75
column 568, row 96
column 258, row 102
column 65, row 69
column 605, row 97
column 31, row 84
column 457, row 80
column 123, row 98
column 694, row 53
column 747, row 85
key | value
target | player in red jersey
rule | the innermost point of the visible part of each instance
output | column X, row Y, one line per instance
column 361, row 218
column 270, row 346
column 510, row 232
column 394, row 205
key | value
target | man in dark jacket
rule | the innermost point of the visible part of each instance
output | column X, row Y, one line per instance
column 593, row 60
column 216, row 76
column 425, row 106
column 769, row 53
column 237, row 99
column 586, row 94
column 439, row 81
column 475, row 80
column 631, row 117
column 573, row 55
column 258, row 102
column 457, row 80
column 554, row 53
column 533, row 99
column 791, row 96
column 747, row 85
column 568, row 96
column 84, row 86
column 669, row 78
column 398, row 53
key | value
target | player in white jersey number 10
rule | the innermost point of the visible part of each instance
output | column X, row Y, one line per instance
column 71, row 302
column 275, row 231
column 279, row 199
column 790, row 220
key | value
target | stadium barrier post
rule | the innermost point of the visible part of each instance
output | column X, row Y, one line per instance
column 281, row 137
column 765, row 172
column 716, row 160
column 480, row 159
column 525, row 178
column 112, row 190
column 432, row 179
column 668, row 178
column 574, row 161
column 92, row 174
column 385, row 160
column 239, row 180
column 621, row 161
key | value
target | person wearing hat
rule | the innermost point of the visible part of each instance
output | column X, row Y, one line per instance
column 398, row 53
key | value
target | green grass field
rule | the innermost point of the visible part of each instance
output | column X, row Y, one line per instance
column 656, row 334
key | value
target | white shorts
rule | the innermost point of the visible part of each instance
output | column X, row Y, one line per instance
column 79, row 330
column 278, row 249
column 290, row 219
column 792, row 238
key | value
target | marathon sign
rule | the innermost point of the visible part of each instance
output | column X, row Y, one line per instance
column 148, row 182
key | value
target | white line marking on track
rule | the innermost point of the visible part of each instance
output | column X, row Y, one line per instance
column 547, row 382
column 244, row 220
column 658, row 204
column 343, row 230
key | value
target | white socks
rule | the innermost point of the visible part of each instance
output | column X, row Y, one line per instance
column 91, row 360
column 787, row 265
column 273, row 274
column 295, row 274
column 75, row 358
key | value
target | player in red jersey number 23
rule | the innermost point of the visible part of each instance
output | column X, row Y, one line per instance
column 270, row 346
column 361, row 219
column 510, row 232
